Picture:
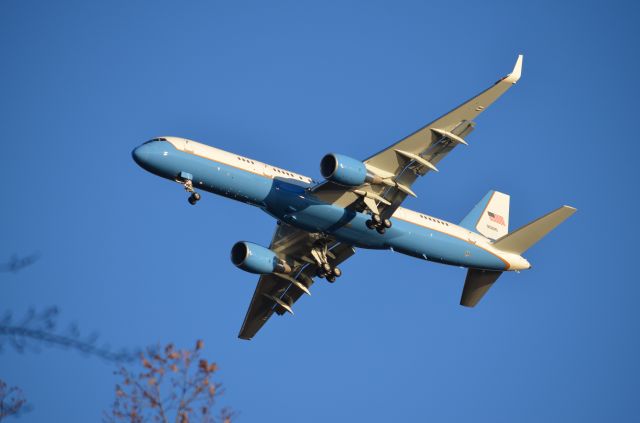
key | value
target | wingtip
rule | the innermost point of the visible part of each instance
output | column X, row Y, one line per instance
column 514, row 76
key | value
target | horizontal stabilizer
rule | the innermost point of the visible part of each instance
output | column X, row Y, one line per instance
column 521, row 240
column 476, row 285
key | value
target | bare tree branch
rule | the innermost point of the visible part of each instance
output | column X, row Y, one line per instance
column 40, row 329
column 15, row 264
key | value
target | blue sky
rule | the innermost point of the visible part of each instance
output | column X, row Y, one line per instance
column 123, row 253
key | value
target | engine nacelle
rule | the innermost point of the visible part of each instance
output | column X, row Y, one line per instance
column 254, row 258
column 343, row 170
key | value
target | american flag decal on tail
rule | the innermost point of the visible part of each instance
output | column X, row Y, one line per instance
column 496, row 218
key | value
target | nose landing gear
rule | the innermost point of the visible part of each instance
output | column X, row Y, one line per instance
column 194, row 197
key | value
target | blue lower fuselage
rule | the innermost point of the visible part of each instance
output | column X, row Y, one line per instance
column 291, row 202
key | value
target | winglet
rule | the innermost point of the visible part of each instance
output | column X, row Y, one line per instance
column 514, row 76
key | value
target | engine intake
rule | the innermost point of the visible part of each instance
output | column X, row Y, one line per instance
column 254, row 258
column 343, row 170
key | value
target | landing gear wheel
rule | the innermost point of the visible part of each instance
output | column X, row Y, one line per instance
column 337, row 272
column 376, row 219
column 331, row 279
column 381, row 230
column 194, row 198
column 370, row 224
column 386, row 223
column 320, row 273
column 326, row 268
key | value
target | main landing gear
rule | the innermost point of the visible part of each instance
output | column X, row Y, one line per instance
column 378, row 223
column 194, row 197
column 325, row 270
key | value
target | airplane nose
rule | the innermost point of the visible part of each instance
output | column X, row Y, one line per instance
column 140, row 154
column 154, row 156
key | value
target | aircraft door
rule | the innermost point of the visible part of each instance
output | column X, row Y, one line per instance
column 268, row 171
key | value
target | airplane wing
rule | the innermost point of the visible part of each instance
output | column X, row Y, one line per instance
column 397, row 167
column 278, row 292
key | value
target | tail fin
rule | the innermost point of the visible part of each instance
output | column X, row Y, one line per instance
column 521, row 240
column 490, row 217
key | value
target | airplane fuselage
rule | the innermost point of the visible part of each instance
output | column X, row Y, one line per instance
column 286, row 196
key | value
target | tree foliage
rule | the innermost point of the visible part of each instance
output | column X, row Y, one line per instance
column 170, row 385
column 12, row 401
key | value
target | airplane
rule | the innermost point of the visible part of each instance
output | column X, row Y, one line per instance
column 357, row 205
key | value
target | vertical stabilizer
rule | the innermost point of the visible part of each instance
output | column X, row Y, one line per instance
column 490, row 217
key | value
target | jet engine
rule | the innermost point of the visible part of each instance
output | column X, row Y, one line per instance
column 343, row 170
column 254, row 258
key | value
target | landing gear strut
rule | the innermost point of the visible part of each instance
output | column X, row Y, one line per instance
column 378, row 223
column 325, row 270
column 194, row 197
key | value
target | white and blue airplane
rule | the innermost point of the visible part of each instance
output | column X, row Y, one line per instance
column 319, row 224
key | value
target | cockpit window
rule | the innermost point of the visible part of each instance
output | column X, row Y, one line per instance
column 155, row 139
